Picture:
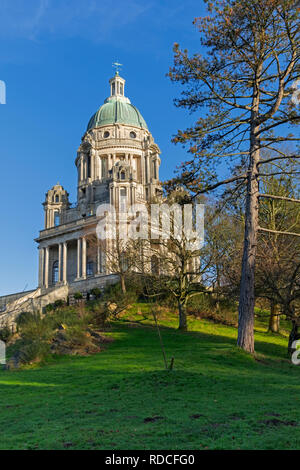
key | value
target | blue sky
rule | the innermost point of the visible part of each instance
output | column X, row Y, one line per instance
column 56, row 59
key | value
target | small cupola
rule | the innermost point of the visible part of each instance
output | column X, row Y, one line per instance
column 117, row 86
column 57, row 201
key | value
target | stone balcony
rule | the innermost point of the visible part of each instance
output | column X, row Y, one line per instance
column 66, row 228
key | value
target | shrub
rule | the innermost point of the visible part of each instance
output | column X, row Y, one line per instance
column 201, row 304
column 100, row 314
column 63, row 330
column 23, row 318
column 49, row 308
column 5, row 334
column 35, row 328
column 114, row 294
column 76, row 337
column 31, row 351
column 96, row 292
column 78, row 296
column 206, row 306
column 58, row 304
column 66, row 316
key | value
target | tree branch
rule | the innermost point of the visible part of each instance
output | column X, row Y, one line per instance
column 214, row 186
column 271, row 196
column 278, row 232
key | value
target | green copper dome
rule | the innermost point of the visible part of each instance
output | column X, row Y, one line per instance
column 117, row 110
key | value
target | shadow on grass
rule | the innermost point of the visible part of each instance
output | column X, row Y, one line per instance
column 136, row 352
column 273, row 350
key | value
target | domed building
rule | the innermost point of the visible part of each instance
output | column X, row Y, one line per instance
column 117, row 160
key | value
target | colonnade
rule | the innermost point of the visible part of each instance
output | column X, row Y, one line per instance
column 45, row 270
column 99, row 165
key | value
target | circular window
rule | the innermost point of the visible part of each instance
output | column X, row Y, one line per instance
column 106, row 134
column 132, row 135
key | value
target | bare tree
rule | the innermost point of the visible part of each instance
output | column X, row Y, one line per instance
column 179, row 265
column 120, row 256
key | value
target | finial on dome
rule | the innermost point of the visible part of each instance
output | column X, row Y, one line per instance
column 117, row 66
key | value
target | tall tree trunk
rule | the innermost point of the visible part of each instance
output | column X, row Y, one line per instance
column 274, row 318
column 247, row 297
column 182, row 315
column 123, row 285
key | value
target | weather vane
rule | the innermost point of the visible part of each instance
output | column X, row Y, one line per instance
column 117, row 66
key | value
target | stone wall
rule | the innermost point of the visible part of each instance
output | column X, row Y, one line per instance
column 33, row 301
column 6, row 299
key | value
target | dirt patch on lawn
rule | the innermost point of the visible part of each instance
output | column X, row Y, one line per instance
column 278, row 422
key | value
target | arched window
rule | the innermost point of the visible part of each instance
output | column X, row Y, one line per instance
column 56, row 219
column 154, row 170
column 132, row 135
column 154, row 265
column 90, row 268
column 106, row 134
column 55, row 273
column 104, row 164
column 57, row 198
column 123, row 199
column 88, row 166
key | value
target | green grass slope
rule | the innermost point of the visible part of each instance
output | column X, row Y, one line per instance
column 217, row 397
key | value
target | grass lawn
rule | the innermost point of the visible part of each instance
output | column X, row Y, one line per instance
column 217, row 397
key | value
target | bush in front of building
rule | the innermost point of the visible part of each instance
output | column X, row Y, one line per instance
column 96, row 293
column 78, row 296
column 5, row 334
column 63, row 331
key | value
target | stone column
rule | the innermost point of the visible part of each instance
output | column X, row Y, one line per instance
column 112, row 201
column 81, row 168
column 65, row 262
column 78, row 258
column 109, row 163
column 92, row 156
column 41, row 266
column 96, row 160
column 147, row 169
column 99, row 171
column 84, row 258
column 46, row 277
column 117, row 197
column 143, row 165
column 157, row 167
column 98, row 259
column 103, row 166
column 103, row 263
column 59, row 261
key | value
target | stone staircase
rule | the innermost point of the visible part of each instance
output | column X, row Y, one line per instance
column 35, row 301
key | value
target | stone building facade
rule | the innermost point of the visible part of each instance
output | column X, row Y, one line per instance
column 117, row 161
